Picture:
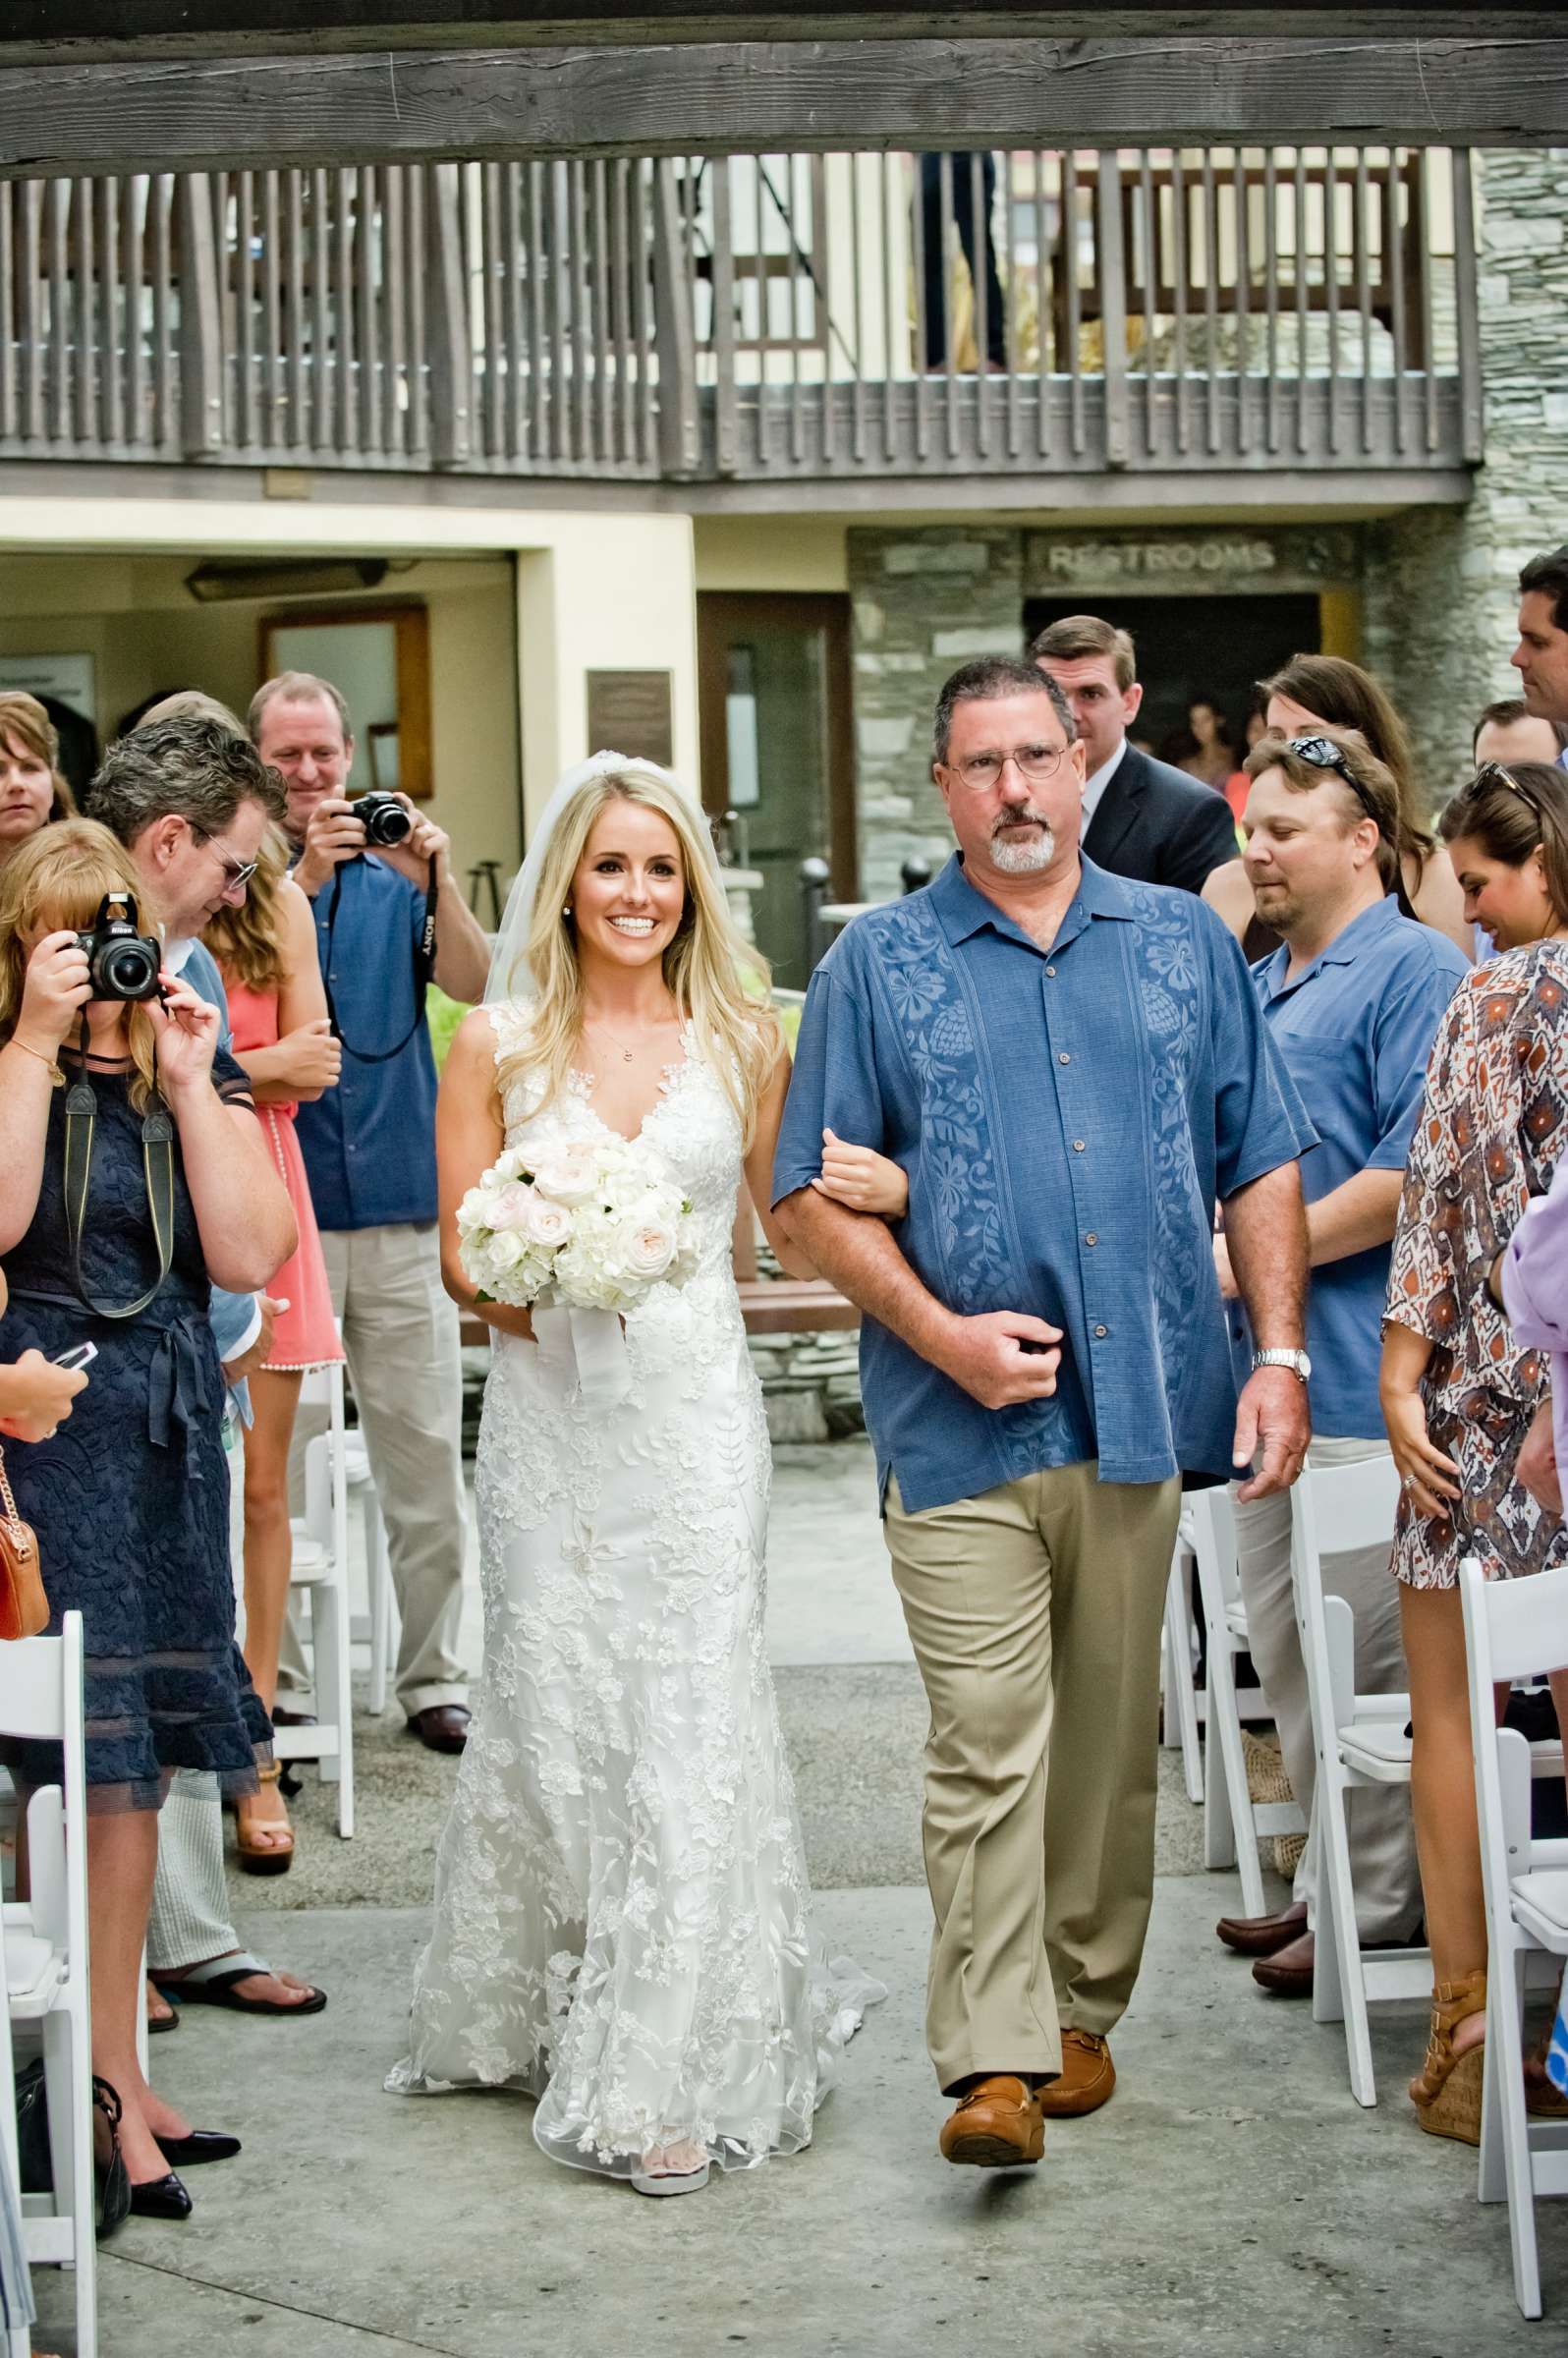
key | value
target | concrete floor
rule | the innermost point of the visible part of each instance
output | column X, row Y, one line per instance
column 1232, row 2200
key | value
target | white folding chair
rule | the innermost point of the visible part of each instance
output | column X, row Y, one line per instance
column 16, row 2339
column 1182, row 1699
column 1359, row 1741
column 321, row 1572
column 1512, row 1628
column 379, row 1625
column 1233, row 1823
column 46, row 1958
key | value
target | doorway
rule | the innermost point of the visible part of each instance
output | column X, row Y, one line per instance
column 1213, row 648
column 774, row 711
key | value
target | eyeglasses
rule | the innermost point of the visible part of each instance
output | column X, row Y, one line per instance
column 1034, row 763
column 235, row 872
column 1322, row 752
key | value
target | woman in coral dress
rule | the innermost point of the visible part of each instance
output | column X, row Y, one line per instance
column 277, row 1008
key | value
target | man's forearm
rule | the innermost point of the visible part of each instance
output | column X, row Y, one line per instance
column 1265, row 1232
column 856, row 1254
column 1353, row 1217
column 461, row 948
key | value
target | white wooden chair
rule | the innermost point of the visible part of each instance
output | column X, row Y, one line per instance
column 379, row 1625
column 1183, row 1700
column 46, row 1959
column 321, row 1573
column 1360, row 1742
column 1233, row 1823
column 1512, row 1628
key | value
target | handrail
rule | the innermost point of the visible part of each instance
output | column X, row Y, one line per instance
column 785, row 318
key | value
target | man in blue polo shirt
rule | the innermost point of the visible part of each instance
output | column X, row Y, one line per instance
column 369, row 1154
column 1352, row 1002
column 1072, row 1067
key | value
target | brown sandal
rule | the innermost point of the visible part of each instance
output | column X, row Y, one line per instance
column 275, row 1857
column 1446, row 2091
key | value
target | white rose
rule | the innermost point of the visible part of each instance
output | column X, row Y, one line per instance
column 569, row 1176
column 507, row 1206
column 647, row 1247
column 506, row 1249
column 546, row 1225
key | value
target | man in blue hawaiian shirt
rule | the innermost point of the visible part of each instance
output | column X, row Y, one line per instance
column 1072, row 1068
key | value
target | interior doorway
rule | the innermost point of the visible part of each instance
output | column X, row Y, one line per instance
column 1212, row 648
column 774, row 710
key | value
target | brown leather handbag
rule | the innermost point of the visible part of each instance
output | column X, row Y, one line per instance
column 24, row 1606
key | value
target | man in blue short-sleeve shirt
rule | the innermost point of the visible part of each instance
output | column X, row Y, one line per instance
column 1072, row 1068
column 1352, row 1001
column 369, row 1155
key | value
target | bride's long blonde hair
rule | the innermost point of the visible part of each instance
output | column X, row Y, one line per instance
column 707, row 966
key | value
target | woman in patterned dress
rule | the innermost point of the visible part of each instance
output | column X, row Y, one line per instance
column 1458, row 1394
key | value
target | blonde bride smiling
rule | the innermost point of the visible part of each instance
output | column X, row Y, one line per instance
column 622, row 1925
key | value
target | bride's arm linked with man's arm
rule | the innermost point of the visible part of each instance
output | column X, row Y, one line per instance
column 856, row 1176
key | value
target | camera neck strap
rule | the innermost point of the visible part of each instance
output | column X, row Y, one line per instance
column 157, row 1165
column 423, row 971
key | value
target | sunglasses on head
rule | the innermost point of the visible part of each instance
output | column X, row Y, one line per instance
column 1322, row 752
column 1492, row 774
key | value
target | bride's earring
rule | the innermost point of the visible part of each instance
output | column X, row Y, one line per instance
column 566, row 908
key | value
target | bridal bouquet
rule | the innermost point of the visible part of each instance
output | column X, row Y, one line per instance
column 587, row 1227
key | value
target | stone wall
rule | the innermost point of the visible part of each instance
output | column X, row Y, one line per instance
column 1440, row 595
column 924, row 602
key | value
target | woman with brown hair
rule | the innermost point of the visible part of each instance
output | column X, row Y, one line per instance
column 266, row 952
column 1458, row 1392
column 1310, row 693
column 32, row 788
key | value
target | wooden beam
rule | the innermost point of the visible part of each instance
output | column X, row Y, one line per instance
column 424, row 106
column 100, row 31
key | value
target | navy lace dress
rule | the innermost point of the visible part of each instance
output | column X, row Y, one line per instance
column 130, row 1497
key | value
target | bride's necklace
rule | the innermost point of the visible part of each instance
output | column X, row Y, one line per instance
column 594, row 1023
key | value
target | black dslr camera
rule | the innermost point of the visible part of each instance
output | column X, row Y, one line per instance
column 384, row 819
column 122, row 963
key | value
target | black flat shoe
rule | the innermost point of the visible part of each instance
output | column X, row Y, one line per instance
column 160, row 2198
column 203, row 2144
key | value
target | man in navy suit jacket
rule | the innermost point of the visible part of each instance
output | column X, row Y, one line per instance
column 1141, row 818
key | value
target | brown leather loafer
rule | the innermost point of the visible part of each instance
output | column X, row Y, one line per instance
column 1088, row 2077
column 997, row 2125
column 1288, row 1973
column 1260, row 1935
column 441, row 1726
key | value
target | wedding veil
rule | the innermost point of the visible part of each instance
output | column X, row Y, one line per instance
column 509, row 975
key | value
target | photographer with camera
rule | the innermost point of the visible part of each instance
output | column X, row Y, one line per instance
column 387, row 922
column 127, row 1141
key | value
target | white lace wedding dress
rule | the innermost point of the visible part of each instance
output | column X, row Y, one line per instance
column 622, row 1914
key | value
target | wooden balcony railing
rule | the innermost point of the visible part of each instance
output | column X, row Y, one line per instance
column 784, row 319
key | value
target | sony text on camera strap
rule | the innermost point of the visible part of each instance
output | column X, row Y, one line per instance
column 423, row 971
column 157, row 1163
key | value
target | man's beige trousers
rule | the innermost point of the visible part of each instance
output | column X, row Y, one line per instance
column 399, row 1332
column 1036, row 1611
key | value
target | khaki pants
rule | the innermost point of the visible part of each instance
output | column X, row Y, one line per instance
column 1036, row 1612
column 1382, row 1840
column 399, row 1332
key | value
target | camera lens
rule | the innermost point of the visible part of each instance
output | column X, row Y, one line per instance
column 125, row 969
column 385, row 820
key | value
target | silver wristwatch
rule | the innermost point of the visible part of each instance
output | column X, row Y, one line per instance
column 1296, row 1361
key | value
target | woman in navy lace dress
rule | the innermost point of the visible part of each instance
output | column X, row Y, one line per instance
column 131, row 1498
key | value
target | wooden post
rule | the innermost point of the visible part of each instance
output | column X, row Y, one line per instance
column 447, row 314
column 725, row 431
column 1467, row 305
column 1113, row 306
column 673, row 335
column 201, row 359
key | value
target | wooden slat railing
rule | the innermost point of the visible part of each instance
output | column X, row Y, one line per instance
column 755, row 317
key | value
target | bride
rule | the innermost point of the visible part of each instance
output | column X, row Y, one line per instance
column 621, row 1903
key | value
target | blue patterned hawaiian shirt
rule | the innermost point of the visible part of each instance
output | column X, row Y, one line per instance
column 1067, row 1118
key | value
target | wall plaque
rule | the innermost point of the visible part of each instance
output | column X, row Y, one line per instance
column 631, row 712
